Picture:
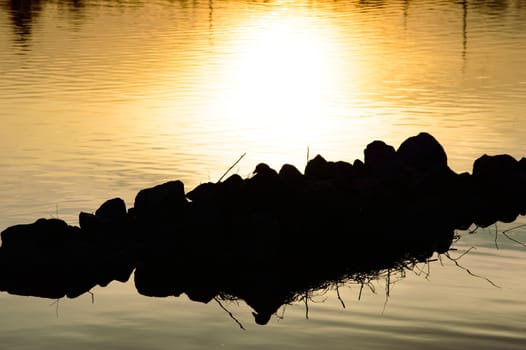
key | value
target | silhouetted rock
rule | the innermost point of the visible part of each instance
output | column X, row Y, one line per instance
column 522, row 166
column 423, row 154
column 358, row 167
column 380, row 159
column 495, row 168
column 52, row 259
column 232, row 184
column 317, row 169
column 160, row 202
column 289, row 173
column 343, row 171
column 500, row 189
column 156, row 279
column 44, row 233
column 205, row 192
column 112, row 211
column 263, row 169
column 246, row 238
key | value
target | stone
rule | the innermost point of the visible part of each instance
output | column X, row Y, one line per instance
column 422, row 154
column 495, row 167
column 317, row 168
column 380, row 159
column 160, row 201
column 113, row 210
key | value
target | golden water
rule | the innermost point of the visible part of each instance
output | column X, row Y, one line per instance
column 103, row 98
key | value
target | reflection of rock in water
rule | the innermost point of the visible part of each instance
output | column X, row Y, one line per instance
column 271, row 238
column 22, row 14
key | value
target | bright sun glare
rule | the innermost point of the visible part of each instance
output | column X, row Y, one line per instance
column 282, row 77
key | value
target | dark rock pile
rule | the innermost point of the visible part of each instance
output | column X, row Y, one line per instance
column 266, row 238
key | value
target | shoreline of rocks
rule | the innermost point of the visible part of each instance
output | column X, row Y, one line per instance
column 269, row 237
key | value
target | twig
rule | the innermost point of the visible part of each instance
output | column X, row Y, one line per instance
column 461, row 255
column 505, row 233
column 92, row 296
column 56, row 305
column 417, row 270
column 469, row 272
column 513, row 239
column 360, row 293
column 233, row 165
column 339, row 297
column 388, row 282
column 387, row 289
column 371, row 287
column 513, row 228
column 429, row 267
column 306, row 300
column 440, row 259
column 230, row 314
column 308, row 155
column 282, row 316
column 496, row 236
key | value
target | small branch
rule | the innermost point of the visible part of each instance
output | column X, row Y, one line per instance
column 387, row 289
column 440, row 259
column 469, row 272
column 360, row 293
column 388, row 283
column 230, row 314
column 233, row 165
column 56, row 302
column 496, row 236
column 513, row 239
column 282, row 316
column 513, row 228
column 461, row 255
column 371, row 287
column 474, row 230
column 92, row 296
column 339, row 297
column 428, row 261
column 306, row 300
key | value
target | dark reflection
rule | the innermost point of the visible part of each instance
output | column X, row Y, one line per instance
column 77, row 10
column 494, row 7
column 275, row 237
column 464, row 4
column 371, row 3
column 22, row 14
column 406, row 12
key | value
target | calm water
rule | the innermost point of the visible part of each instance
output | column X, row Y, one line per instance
column 103, row 98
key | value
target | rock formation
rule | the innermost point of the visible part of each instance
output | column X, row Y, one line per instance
column 270, row 237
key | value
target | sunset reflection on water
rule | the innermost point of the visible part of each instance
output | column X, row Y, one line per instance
column 102, row 98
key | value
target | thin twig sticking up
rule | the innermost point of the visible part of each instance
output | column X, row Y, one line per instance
column 233, row 165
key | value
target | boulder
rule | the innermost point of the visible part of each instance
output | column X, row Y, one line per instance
column 42, row 233
column 289, row 173
column 317, row 169
column 500, row 189
column 160, row 202
column 112, row 211
column 380, row 159
column 263, row 169
column 422, row 155
column 495, row 168
column 205, row 192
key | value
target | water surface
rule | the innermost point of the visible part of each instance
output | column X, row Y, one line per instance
column 103, row 98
